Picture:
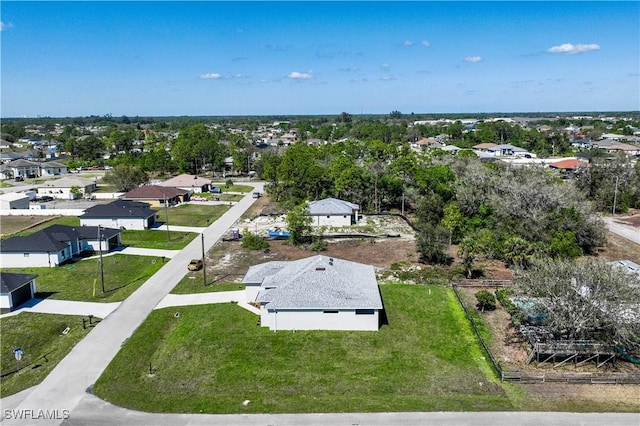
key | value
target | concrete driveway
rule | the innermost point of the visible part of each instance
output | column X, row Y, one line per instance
column 65, row 307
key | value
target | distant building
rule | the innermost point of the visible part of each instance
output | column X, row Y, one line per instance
column 333, row 212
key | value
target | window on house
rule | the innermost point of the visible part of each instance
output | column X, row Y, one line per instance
column 364, row 311
column 329, row 312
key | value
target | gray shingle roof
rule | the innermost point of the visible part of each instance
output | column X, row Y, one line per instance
column 10, row 281
column 330, row 206
column 317, row 283
column 54, row 238
column 119, row 208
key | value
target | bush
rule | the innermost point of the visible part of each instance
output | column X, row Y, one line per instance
column 517, row 316
column 253, row 241
column 486, row 301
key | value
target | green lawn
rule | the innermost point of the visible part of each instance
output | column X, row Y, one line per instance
column 42, row 342
column 192, row 214
column 213, row 357
column 233, row 188
column 76, row 281
column 157, row 239
column 193, row 283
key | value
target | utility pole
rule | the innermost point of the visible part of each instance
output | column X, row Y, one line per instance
column 166, row 216
column 615, row 194
column 100, row 250
column 204, row 263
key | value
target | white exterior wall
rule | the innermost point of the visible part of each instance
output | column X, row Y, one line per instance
column 22, row 204
column 116, row 223
column 332, row 220
column 61, row 193
column 5, row 301
column 308, row 319
column 19, row 260
column 251, row 292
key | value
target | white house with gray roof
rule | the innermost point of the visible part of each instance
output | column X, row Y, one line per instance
column 333, row 212
column 316, row 293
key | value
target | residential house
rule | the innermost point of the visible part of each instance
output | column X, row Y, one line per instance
column 509, row 150
column 56, row 245
column 316, row 293
column 157, row 196
column 64, row 188
column 53, row 168
column 122, row 214
column 333, row 212
column 16, row 289
column 484, row 147
column 14, row 200
column 569, row 164
column 188, row 182
column 20, row 167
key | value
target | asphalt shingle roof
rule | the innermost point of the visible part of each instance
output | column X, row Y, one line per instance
column 119, row 208
column 10, row 281
column 317, row 282
column 330, row 206
column 155, row 192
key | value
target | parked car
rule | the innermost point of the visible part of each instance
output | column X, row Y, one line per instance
column 19, row 179
column 215, row 190
column 43, row 199
column 195, row 265
column 257, row 194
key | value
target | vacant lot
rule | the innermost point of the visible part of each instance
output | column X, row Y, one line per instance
column 193, row 214
column 79, row 280
column 42, row 349
column 157, row 239
column 213, row 357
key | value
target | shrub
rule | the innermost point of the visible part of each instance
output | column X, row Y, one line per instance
column 253, row 241
column 486, row 300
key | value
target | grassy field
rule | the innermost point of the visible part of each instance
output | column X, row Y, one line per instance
column 192, row 215
column 213, row 357
column 42, row 350
column 122, row 276
column 157, row 239
column 193, row 283
column 25, row 225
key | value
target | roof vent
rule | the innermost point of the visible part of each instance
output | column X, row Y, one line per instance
column 320, row 268
column 331, row 261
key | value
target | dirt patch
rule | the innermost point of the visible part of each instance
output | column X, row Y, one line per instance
column 619, row 248
column 633, row 219
column 11, row 224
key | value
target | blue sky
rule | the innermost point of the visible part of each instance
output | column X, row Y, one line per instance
column 266, row 58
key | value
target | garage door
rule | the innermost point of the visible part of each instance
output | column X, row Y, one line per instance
column 21, row 295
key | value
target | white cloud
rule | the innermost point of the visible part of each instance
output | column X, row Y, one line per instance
column 385, row 66
column 472, row 59
column 296, row 75
column 4, row 26
column 408, row 43
column 570, row 49
column 425, row 43
column 210, row 76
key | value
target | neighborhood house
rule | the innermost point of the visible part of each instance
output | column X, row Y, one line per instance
column 316, row 293
column 55, row 245
column 333, row 212
column 121, row 214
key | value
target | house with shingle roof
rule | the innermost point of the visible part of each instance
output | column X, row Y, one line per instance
column 56, row 245
column 62, row 188
column 16, row 289
column 316, row 293
column 20, row 167
column 333, row 212
column 157, row 195
column 122, row 214
column 53, row 168
column 188, row 182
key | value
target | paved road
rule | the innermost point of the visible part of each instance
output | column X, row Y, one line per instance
column 624, row 231
column 65, row 386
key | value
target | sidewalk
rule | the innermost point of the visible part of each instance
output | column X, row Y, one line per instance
column 207, row 298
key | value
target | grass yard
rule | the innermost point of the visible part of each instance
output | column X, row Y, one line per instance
column 25, row 225
column 42, row 342
column 233, row 188
column 75, row 281
column 192, row 214
column 157, row 239
column 213, row 357
column 193, row 283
